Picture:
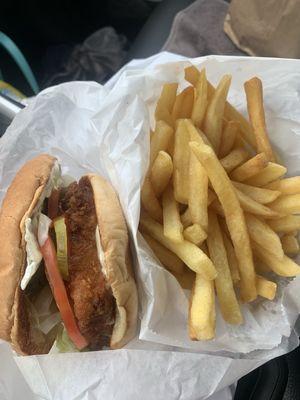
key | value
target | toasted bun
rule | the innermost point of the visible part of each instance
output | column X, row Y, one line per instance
column 20, row 200
column 118, row 265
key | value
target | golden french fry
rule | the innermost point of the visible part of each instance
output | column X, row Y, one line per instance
column 261, row 195
column 235, row 158
column 284, row 267
column 290, row 245
column 202, row 314
column 195, row 234
column 253, row 207
column 186, row 279
column 166, row 102
column 198, row 192
column 234, row 216
column 254, row 95
column 183, row 104
column 186, row 218
column 150, row 202
column 160, row 140
column 250, row 168
column 229, row 305
column 232, row 260
column 173, row 228
column 161, row 172
column 286, row 186
column 265, row 288
column 261, row 233
column 288, row 204
column 215, row 112
column 232, row 113
column 285, row 224
column 191, row 74
column 228, row 138
column 201, row 100
column 188, row 252
column 168, row 259
column 269, row 174
column 181, row 162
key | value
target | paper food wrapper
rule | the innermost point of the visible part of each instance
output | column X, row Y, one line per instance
column 106, row 130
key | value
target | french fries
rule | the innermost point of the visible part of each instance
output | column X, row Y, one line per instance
column 195, row 234
column 290, row 245
column 171, row 218
column 234, row 217
column 202, row 314
column 269, row 174
column 188, row 252
column 228, row 138
column 261, row 233
column 216, row 208
column 261, row 195
column 284, row 267
column 181, row 163
column 288, row 204
column 165, row 256
column 229, row 305
column 234, row 159
column 250, row 168
column 286, row 186
column 201, row 99
column 265, row 288
column 198, row 192
column 161, row 172
column 215, row 113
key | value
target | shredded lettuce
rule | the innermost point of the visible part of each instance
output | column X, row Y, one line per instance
column 63, row 344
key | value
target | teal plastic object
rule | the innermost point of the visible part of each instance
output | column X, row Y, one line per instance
column 20, row 60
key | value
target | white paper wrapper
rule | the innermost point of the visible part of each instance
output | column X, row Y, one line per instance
column 106, row 130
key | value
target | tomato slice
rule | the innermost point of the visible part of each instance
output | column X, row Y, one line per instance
column 53, row 204
column 60, row 294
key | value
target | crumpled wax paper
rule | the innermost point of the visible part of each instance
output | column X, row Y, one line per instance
column 106, row 130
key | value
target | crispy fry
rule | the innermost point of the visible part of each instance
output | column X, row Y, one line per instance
column 290, row 245
column 284, row 267
column 286, row 186
column 288, row 204
column 183, row 104
column 215, row 112
column 254, row 95
column 161, row 172
column 195, row 234
column 250, row 168
column 160, row 140
column 165, row 103
column 229, row 305
column 173, row 228
column 235, row 158
column 285, row 224
column 201, row 100
column 253, row 207
column 187, row 279
column 150, row 202
column 265, row 288
column 261, row 195
column 186, row 218
column 192, row 74
column 232, row 113
column 181, row 162
column 269, row 174
column 198, row 192
column 232, row 261
column 228, row 138
column 261, row 233
column 234, row 217
column 202, row 314
column 188, row 252
column 168, row 259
